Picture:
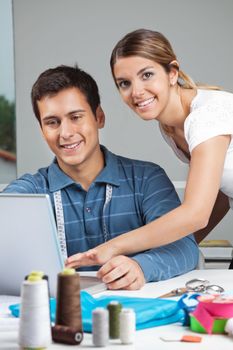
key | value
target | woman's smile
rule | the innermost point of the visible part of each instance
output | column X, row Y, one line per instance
column 145, row 103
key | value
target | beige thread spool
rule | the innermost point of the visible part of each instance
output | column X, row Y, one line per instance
column 127, row 325
column 100, row 327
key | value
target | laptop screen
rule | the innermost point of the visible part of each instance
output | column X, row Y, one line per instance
column 29, row 242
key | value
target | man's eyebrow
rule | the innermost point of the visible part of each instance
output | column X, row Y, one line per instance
column 50, row 116
column 138, row 73
column 75, row 111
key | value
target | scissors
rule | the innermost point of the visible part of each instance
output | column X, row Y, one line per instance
column 196, row 285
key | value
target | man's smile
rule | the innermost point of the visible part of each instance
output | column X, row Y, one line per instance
column 71, row 145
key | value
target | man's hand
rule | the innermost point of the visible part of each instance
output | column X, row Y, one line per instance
column 96, row 256
column 122, row 272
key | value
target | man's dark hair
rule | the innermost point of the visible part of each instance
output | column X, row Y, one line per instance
column 54, row 80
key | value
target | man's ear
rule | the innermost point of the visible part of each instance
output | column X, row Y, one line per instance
column 174, row 72
column 100, row 117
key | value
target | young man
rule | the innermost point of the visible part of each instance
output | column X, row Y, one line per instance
column 102, row 195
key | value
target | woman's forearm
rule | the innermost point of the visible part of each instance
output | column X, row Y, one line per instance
column 170, row 227
column 220, row 209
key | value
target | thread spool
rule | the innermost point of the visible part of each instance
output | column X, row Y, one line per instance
column 114, row 308
column 127, row 326
column 36, row 273
column 229, row 327
column 68, row 325
column 34, row 322
column 40, row 274
column 100, row 327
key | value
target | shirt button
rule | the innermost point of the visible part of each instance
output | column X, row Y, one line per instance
column 88, row 209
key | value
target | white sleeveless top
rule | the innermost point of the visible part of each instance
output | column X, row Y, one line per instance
column 211, row 114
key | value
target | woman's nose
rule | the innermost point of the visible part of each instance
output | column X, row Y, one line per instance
column 137, row 89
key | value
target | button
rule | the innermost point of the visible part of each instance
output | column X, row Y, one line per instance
column 88, row 209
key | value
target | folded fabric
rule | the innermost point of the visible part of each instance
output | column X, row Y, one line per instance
column 150, row 312
column 188, row 302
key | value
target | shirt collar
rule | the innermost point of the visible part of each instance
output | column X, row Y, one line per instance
column 110, row 174
column 57, row 178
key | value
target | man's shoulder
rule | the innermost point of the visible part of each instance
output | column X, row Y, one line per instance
column 134, row 168
column 138, row 166
column 30, row 182
column 40, row 174
column 136, row 162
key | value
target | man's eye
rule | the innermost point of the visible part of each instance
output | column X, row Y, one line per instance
column 75, row 117
column 52, row 122
column 123, row 84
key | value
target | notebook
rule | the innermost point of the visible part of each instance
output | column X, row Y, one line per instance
column 29, row 242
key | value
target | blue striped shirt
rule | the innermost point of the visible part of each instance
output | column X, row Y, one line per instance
column 141, row 192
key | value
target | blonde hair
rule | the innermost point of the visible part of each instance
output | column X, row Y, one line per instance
column 154, row 46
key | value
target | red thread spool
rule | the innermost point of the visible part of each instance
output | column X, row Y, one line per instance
column 68, row 325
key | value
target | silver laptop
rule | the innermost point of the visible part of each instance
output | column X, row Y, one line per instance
column 28, row 242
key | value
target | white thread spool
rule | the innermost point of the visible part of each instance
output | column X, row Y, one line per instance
column 229, row 327
column 127, row 326
column 100, row 327
column 34, row 323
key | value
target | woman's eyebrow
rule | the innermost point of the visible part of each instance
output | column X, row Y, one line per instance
column 138, row 73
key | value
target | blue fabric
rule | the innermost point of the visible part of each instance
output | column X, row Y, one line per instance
column 149, row 312
column 142, row 192
column 188, row 303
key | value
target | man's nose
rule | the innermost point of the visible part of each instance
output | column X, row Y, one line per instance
column 66, row 129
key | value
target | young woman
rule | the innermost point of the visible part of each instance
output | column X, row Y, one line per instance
column 196, row 121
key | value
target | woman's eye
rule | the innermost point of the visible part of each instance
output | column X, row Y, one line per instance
column 147, row 75
column 123, row 84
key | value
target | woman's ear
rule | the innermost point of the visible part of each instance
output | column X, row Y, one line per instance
column 174, row 72
column 100, row 117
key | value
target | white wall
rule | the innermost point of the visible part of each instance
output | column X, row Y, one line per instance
column 7, row 170
column 53, row 32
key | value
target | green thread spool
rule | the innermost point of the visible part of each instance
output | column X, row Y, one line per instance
column 114, row 308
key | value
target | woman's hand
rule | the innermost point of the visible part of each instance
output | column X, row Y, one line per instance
column 96, row 256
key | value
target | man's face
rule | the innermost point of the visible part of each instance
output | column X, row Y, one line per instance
column 71, row 129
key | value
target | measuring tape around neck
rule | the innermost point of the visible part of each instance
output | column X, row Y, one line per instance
column 61, row 223
column 108, row 197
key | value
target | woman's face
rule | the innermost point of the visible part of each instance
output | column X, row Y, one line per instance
column 144, row 85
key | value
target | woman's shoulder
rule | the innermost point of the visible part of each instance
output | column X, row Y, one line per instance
column 211, row 114
column 212, row 98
